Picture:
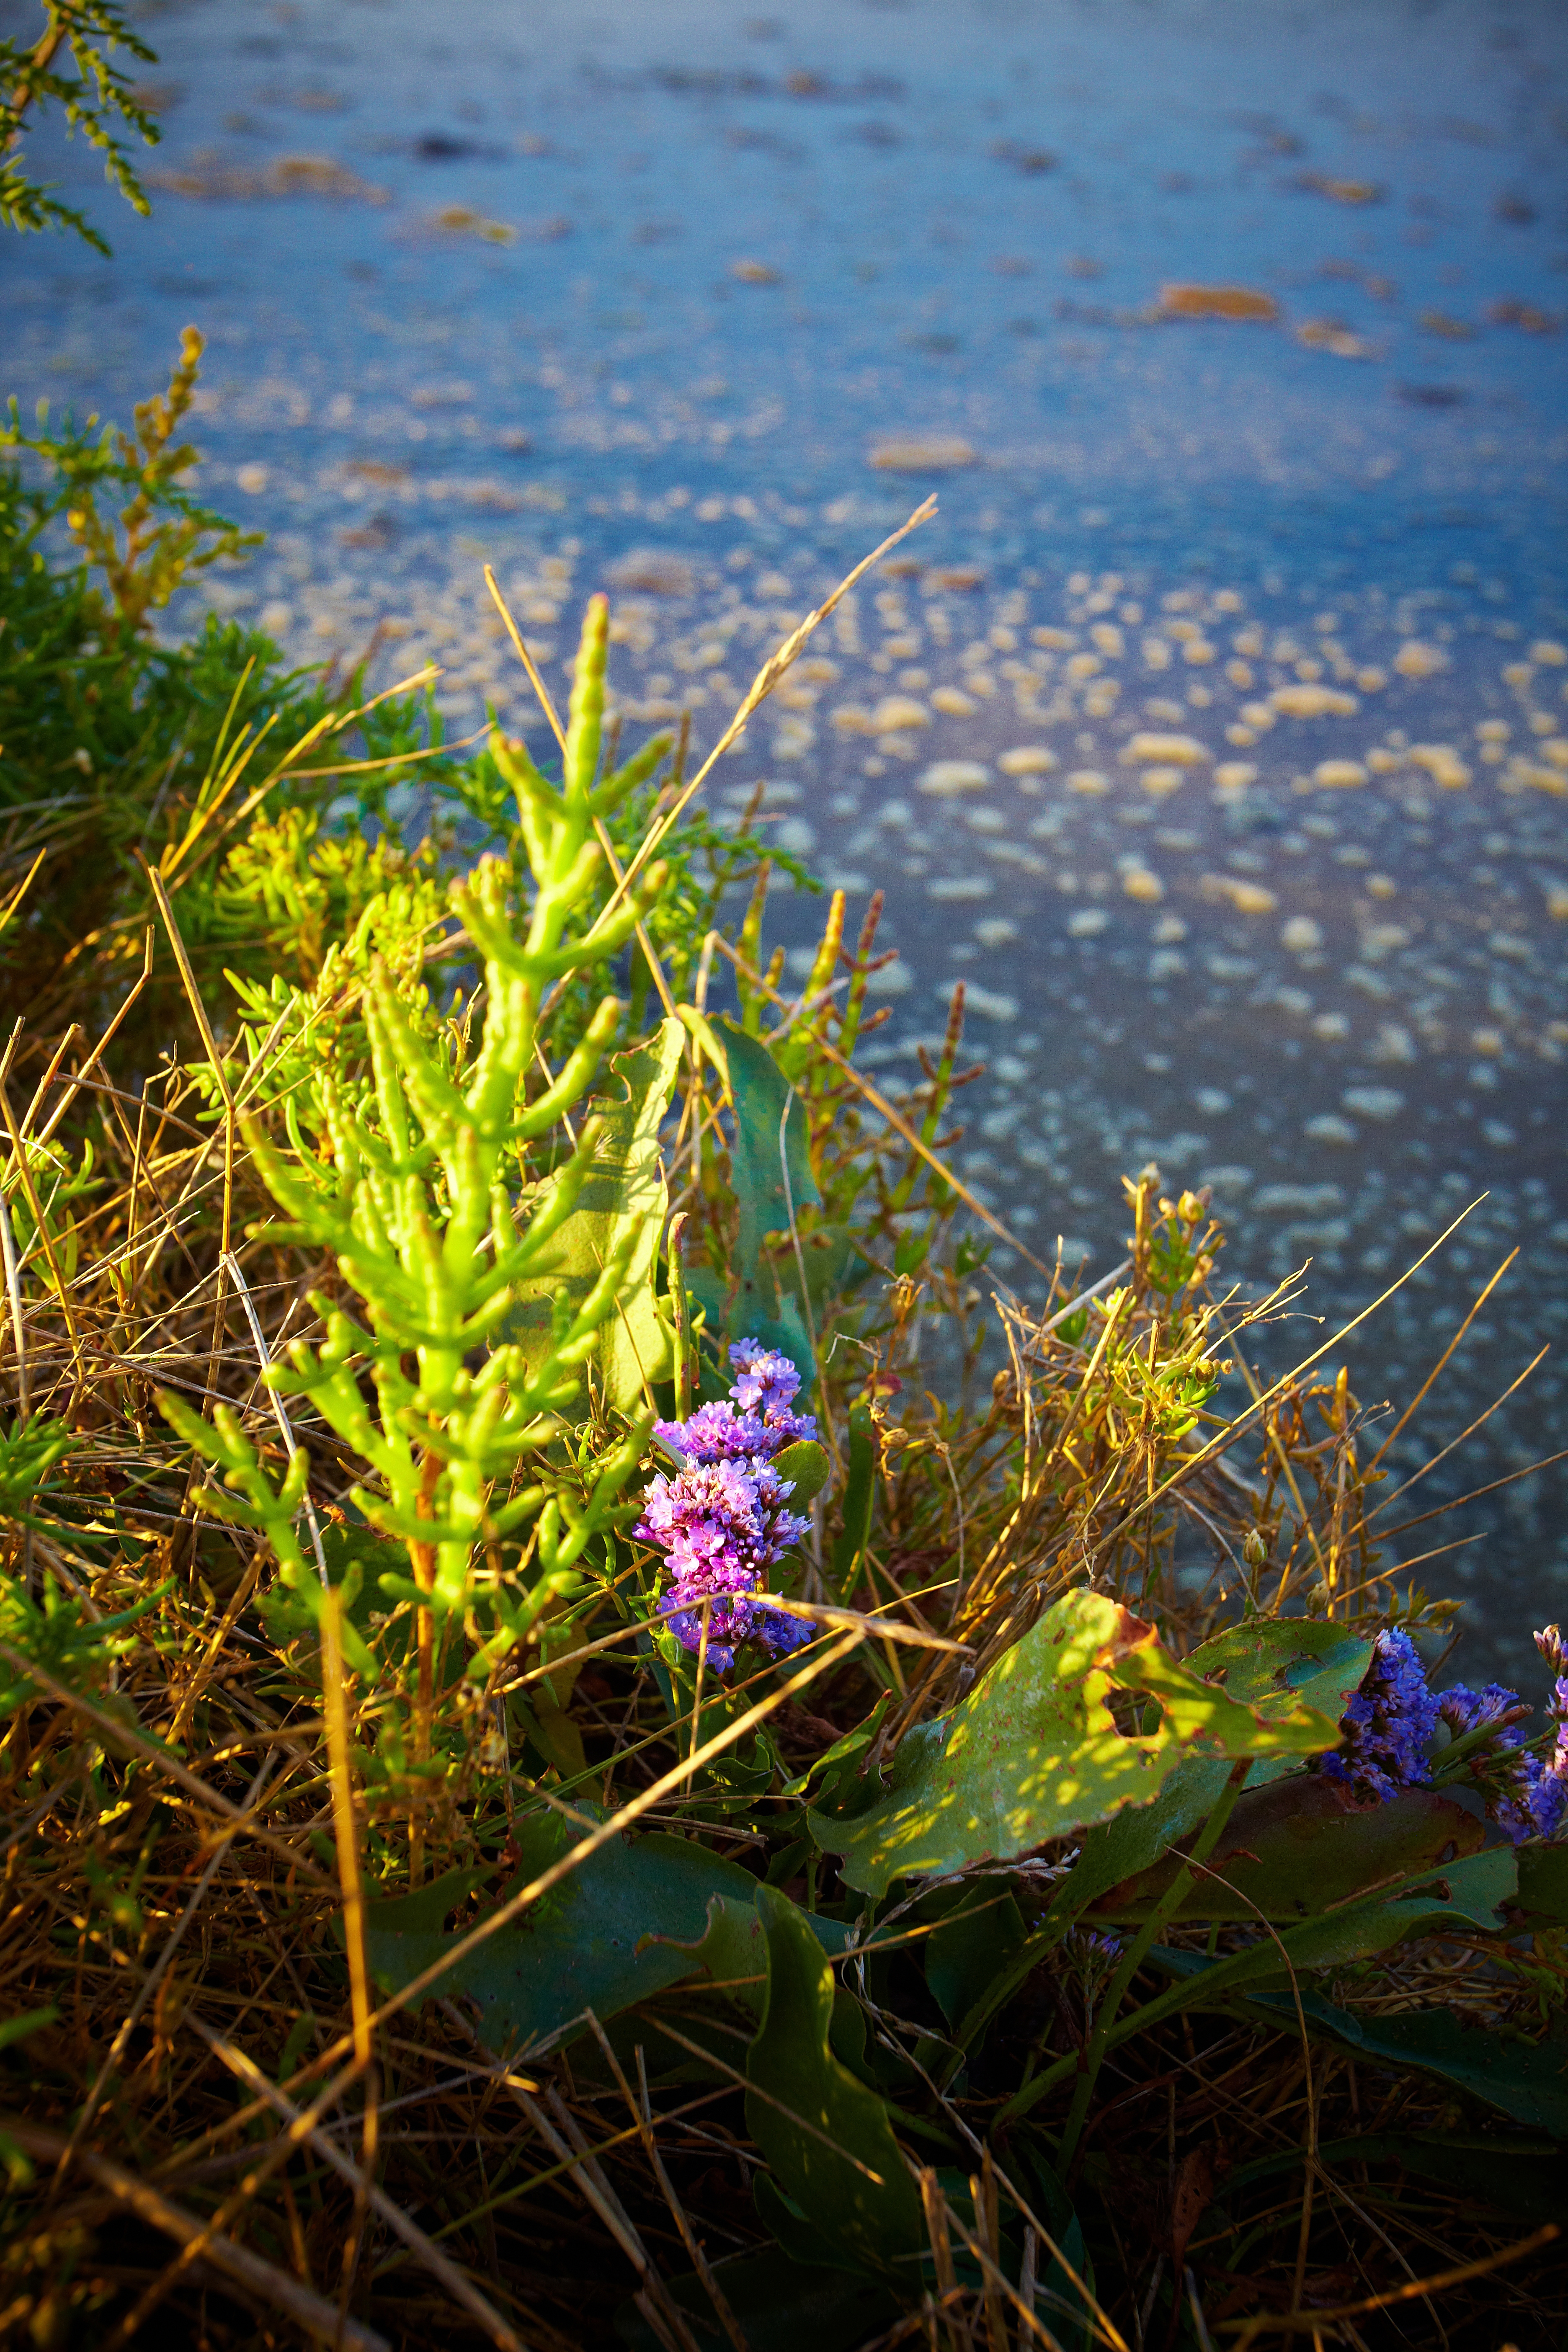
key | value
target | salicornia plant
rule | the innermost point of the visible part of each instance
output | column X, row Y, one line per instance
column 415, row 1175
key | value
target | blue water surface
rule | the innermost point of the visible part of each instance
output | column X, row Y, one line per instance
column 1213, row 734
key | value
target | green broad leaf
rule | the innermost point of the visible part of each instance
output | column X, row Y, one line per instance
column 733, row 1952
column 708, row 1291
column 859, row 1499
column 768, row 1148
column 625, row 1192
column 768, row 1145
column 1272, row 1663
column 635, row 1918
column 1300, row 1845
column 981, row 1937
column 1543, row 1883
column 1469, row 1892
column 1318, row 1662
column 1466, row 1893
column 1524, row 2178
column 585, row 1945
column 733, row 1311
column 1276, row 1661
column 732, row 1955
column 780, row 2303
column 807, row 1465
column 826, row 2134
column 1033, row 1752
column 1526, row 2081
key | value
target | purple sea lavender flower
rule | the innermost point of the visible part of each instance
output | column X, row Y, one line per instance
column 769, row 1384
column 1095, row 1945
column 1525, row 1794
column 717, row 1433
column 766, row 1376
column 1465, row 1710
column 1506, row 1779
column 721, row 1520
column 1388, row 1723
column 781, row 1632
column 754, row 1421
column 1550, row 1795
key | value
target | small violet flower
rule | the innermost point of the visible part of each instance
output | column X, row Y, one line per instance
column 1096, row 1947
column 1520, row 1792
column 1389, row 1725
column 720, row 1521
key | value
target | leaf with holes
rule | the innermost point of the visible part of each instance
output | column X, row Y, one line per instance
column 1272, row 1663
column 1034, row 1751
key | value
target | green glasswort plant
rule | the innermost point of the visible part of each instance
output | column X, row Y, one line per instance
column 416, row 1175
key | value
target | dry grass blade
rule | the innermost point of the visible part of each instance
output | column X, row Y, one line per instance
column 440, row 2266
column 117, row 1734
column 155, row 1974
column 103, row 1044
column 526, row 659
column 1455, row 1344
column 1440, row 1511
column 1453, row 1444
column 346, row 1824
column 565, row 2141
column 21, row 891
column 1228, row 1436
column 642, row 2112
column 236, row 2263
column 886, row 1629
column 279, row 1411
column 1309, row 2323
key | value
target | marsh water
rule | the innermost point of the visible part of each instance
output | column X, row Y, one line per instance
column 1213, row 734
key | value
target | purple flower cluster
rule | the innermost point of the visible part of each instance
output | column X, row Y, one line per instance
column 1555, row 1649
column 1097, row 1948
column 720, row 1521
column 1390, row 1723
column 1524, row 1794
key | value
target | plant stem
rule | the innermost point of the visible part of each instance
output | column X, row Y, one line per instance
column 422, row 1560
column 334, row 1693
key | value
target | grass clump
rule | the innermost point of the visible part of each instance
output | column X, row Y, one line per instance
column 556, row 1791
